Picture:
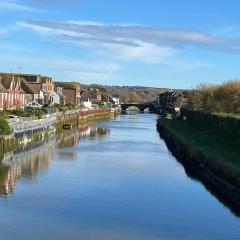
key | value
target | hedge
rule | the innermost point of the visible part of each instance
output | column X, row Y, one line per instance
column 5, row 129
column 229, row 125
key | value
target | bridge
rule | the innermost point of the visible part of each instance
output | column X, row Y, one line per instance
column 140, row 106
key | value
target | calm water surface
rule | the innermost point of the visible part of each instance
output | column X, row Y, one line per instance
column 115, row 180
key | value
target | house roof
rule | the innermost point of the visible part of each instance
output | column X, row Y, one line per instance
column 68, row 85
column 30, row 88
column 6, row 80
column 2, row 89
column 36, row 87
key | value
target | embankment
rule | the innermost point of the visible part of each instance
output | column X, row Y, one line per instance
column 208, row 154
column 82, row 117
column 27, row 132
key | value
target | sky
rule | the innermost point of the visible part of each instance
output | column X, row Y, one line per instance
column 158, row 43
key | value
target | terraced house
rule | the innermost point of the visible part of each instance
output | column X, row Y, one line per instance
column 42, row 85
column 36, row 87
column 11, row 94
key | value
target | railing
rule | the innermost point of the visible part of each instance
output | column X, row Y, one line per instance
column 21, row 125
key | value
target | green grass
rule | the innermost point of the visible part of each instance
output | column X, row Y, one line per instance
column 209, row 141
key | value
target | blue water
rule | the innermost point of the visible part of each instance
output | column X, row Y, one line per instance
column 116, row 181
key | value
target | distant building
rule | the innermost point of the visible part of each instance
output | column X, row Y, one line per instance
column 71, row 91
column 91, row 94
column 172, row 99
column 114, row 100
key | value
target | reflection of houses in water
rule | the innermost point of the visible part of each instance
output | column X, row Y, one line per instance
column 32, row 159
column 71, row 138
column 26, row 163
column 8, row 178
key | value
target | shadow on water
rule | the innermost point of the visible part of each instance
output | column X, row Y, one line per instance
column 193, row 172
column 31, row 160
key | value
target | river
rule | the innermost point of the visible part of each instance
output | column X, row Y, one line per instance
column 114, row 180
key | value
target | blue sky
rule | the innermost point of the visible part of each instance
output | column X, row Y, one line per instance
column 160, row 43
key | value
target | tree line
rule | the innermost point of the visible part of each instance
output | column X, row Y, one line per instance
column 222, row 98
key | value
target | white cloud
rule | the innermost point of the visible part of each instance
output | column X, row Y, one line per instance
column 146, row 53
column 137, row 43
column 14, row 6
column 131, row 35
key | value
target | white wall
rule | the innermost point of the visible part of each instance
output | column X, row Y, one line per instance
column 56, row 98
column 87, row 105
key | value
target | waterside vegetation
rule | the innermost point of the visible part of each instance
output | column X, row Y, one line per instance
column 205, row 137
column 223, row 99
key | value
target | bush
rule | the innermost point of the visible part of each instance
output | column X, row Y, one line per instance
column 5, row 129
column 66, row 107
column 216, row 98
column 28, row 112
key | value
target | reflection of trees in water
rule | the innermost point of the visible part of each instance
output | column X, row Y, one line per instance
column 29, row 161
column 210, row 181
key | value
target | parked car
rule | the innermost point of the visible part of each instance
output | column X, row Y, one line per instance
column 94, row 106
column 12, row 116
column 34, row 104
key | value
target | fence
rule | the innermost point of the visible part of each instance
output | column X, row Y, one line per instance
column 22, row 125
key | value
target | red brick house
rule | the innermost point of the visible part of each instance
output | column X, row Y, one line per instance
column 71, row 91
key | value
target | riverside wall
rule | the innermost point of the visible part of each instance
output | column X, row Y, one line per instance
column 33, row 131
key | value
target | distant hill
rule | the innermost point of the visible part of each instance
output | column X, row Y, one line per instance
column 129, row 94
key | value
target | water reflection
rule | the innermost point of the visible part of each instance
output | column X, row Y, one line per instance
column 195, row 172
column 29, row 161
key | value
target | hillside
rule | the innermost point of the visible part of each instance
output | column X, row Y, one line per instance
column 129, row 94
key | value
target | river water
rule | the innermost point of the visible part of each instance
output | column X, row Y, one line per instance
column 114, row 180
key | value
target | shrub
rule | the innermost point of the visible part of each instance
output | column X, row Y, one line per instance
column 216, row 98
column 5, row 129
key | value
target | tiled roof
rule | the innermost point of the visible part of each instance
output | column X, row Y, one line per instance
column 68, row 85
column 6, row 80
column 29, row 88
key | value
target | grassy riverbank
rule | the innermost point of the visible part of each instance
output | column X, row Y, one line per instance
column 208, row 140
column 204, row 146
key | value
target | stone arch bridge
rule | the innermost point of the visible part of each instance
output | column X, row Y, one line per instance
column 140, row 106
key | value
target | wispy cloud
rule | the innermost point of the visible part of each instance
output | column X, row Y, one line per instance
column 132, row 35
column 15, row 6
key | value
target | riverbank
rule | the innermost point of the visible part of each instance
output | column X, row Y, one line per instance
column 207, row 155
column 28, row 131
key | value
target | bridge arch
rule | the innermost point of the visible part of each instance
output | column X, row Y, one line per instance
column 140, row 106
